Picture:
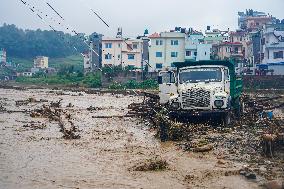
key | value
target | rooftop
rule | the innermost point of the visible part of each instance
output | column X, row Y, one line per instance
column 154, row 35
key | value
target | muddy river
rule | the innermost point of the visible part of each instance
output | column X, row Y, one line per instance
column 104, row 156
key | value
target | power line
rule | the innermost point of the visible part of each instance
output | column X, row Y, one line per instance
column 54, row 10
column 33, row 9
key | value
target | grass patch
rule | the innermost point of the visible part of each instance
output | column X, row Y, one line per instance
column 76, row 79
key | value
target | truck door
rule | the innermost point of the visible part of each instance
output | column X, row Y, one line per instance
column 167, row 85
column 227, row 80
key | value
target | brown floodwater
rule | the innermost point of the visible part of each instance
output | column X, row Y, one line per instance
column 104, row 155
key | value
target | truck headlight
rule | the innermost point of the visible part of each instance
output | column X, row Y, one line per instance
column 219, row 103
column 175, row 105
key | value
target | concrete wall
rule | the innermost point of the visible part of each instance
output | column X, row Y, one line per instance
column 263, row 82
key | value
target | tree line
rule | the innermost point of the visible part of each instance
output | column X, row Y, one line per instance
column 30, row 43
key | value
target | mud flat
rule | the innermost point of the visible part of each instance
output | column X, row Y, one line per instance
column 111, row 152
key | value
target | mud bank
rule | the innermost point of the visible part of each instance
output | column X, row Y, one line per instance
column 34, row 153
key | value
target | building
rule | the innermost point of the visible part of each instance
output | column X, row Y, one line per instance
column 195, row 49
column 242, row 20
column 3, row 57
column 165, row 49
column 272, row 52
column 243, row 38
column 88, row 66
column 252, row 21
column 227, row 50
column 215, row 36
column 145, row 54
column 27, row 74
column 41, row 62
column 122, row 52
column 96, row 57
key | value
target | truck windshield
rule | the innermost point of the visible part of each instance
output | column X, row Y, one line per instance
column 200, row 75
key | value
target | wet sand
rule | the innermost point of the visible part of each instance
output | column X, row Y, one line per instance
column 104, row 155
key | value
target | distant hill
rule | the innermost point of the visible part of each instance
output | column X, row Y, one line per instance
column 29, row 43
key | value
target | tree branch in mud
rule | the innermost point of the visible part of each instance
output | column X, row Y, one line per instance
column 67, row 127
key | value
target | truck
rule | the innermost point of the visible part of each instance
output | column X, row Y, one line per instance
column 207, row 88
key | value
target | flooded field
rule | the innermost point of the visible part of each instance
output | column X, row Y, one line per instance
column 117, row 152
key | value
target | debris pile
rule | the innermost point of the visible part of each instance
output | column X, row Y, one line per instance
column 54, row 113
column 29, row 100
column 155, row 164
column 255, row 138
column 92, row 108
column 35, row 125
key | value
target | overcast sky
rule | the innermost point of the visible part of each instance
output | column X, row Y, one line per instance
column 132, row 15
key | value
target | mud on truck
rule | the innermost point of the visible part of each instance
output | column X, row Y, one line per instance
column 209, row 89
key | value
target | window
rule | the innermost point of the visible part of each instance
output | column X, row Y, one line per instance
column 159, row 42
column 119, row 45
column 131, row 56
column 159, row 66
column 108, row 45
column 159, row 54
column 195, row 53
column 135, row 46
column 187, row 53
column 174, row 42
column 118, row 56
column 278, row 54
column 200, row 75
column 174, row 54
column 236, row 50
column 108, row 56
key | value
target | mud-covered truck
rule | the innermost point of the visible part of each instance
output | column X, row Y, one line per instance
column 202, row 88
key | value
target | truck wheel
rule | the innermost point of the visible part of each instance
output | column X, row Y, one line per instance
column 226, row 119
column 163, row 132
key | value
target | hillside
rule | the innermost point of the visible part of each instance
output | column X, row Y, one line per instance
column 24, row 64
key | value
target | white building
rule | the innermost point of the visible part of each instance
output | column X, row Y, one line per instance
column 165, row 49
column 273, row 48
column 122, row 52
column 215, row 36
column 41, row 62
column 87, row 61
column 273, row 44
column 195, row 49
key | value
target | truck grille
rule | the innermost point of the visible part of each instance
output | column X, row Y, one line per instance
column 196, row 98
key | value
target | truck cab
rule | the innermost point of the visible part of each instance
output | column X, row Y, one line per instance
column 203, row 87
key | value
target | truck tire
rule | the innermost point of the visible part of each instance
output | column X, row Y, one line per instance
column 164, row 135
column 239, row 109
column 226, row 119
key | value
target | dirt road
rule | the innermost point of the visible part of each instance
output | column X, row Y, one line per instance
column 33, row 153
